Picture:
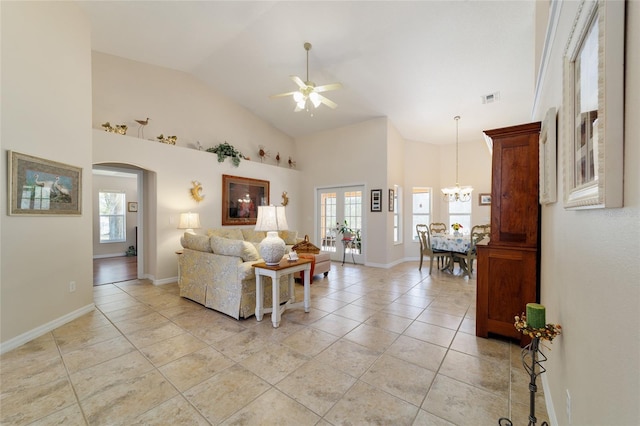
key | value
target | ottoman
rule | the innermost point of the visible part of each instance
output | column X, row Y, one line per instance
column 321, row 263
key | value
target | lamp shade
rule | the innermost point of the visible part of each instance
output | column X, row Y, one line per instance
column 272, row 219
column 189, row 221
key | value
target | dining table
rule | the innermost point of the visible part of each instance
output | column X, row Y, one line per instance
column 455, row 244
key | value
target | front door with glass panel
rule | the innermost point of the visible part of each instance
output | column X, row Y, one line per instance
column 335, row 206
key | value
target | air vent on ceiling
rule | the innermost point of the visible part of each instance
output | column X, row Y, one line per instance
column 490, row 98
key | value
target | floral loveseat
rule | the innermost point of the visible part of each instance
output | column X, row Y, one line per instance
column 216, row 270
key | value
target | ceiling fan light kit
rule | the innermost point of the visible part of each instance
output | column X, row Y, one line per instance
column 308, row 93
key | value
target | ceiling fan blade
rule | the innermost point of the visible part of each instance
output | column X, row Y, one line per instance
column 297, row 80
column 328, row 102
column 327, row 87
column 282, row 95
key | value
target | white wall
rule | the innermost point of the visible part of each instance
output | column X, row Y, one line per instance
column 349, row 155
column 168, row 192
column 590, row 274
column 46, row 112
column 178, row 104
column 396, row 181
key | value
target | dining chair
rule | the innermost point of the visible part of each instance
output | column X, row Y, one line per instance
column 438, row 228
column 424, row 236
column 478, row 233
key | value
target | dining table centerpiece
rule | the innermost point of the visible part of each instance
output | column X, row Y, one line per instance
column 456, row 229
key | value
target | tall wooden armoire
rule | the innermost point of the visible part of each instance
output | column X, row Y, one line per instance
column 508, row 266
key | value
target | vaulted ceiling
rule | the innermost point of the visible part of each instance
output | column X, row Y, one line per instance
column 419, row 63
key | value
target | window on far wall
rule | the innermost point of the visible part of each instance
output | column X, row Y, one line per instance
column 397, row 214
column 112, row 216
column 421, row 208
column 460, row 212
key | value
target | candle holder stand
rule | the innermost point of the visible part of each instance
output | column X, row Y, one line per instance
column 532, row 360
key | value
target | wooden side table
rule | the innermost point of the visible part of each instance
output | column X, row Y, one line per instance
column 285, row 267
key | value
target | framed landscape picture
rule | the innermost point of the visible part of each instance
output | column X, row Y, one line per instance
column 241, row 198
column 484, row 199
column 40, row 187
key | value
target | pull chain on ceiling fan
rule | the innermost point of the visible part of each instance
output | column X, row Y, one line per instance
column 308, row 92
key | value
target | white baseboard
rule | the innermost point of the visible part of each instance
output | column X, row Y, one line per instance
column 164, row 281
column 551, row 411
column 43, row 329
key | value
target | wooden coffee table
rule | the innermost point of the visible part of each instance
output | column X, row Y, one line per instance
column 285, row 267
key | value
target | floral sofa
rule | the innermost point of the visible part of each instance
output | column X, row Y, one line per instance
column 216, row 270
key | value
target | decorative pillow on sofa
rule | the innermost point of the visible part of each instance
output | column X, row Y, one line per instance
column 238, row 248
column 289, row 237
column 252, row 235
column 196, row 242
column 231, row 233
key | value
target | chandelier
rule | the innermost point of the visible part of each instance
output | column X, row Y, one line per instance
column 457, row 193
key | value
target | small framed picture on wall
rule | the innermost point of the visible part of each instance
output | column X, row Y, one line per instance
column 391, row 200
column 132, row 206
column 484, row 199
column 376, row 200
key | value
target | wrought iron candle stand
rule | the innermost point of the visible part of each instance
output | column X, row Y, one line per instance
column 532, row 360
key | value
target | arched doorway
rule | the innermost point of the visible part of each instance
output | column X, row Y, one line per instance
column 118, row 222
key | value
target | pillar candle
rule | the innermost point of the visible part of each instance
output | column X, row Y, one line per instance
column 535, row 315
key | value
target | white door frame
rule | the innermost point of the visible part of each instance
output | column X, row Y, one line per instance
column 336, row 248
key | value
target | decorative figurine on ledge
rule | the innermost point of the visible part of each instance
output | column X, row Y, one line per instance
column 262, row 153
column 142, row 123
column 170, row 140
column 120, row 129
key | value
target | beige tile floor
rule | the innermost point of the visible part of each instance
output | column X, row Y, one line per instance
column 380, row 346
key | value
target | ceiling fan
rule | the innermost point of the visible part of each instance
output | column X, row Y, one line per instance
column 308, row 92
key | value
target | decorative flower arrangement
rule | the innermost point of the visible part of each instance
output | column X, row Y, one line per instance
column 225, row 150
column 549, row 332
column 456, row 226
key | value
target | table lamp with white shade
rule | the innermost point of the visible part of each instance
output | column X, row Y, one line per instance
column 189, row 222
column 272, row 219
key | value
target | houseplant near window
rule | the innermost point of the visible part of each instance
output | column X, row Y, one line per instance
column 347, row 233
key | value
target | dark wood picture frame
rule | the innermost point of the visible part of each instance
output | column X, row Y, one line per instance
column 40, row 187
column 376, row 200
column 132, row 206
column 484, row 199
column 240, row 199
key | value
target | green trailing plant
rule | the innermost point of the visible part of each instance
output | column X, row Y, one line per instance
column 225, row 150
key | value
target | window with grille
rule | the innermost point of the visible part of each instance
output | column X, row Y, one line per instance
column 112, row 216
column 460, row 212
column 421, row 208
column 397, row 214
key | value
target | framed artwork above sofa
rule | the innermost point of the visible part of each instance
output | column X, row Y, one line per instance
column 240, row 199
